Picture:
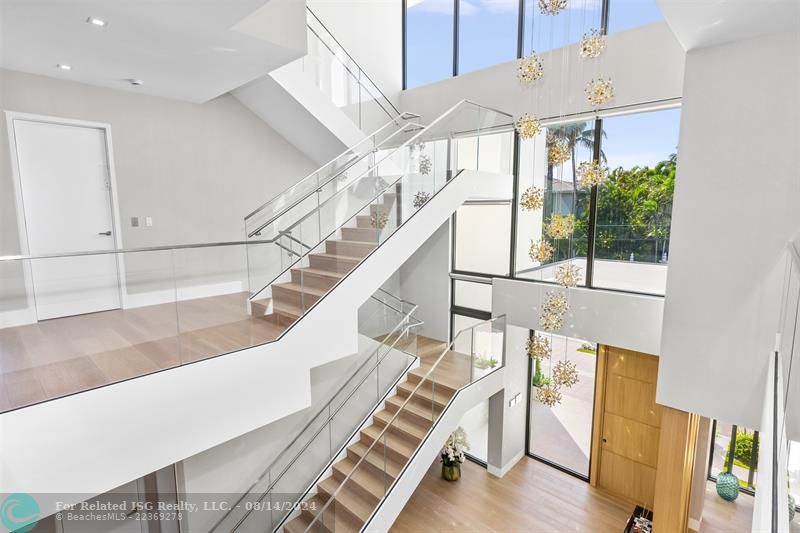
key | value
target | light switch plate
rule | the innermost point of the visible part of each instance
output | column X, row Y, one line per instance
column 148, row 221
column 134, row 222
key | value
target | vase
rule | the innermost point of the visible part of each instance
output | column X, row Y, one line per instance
column 727, row 486
column 451, row 472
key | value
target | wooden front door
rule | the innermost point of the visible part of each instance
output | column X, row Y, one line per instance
column 629, row 427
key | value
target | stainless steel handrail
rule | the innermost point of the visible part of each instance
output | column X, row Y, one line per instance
column 412, row 140
column 406, row 319
column 134, row 250
column 352, row 59
column 402, row 116
column 397, row 414
column 319, row 187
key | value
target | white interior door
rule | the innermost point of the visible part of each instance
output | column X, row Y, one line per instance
column 66, row 196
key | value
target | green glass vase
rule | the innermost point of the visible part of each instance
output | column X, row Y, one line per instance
column 727, row 486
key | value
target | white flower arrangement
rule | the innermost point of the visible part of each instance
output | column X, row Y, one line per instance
column 454, row 448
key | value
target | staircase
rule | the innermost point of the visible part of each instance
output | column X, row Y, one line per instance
column 346, row 499
column 309, row 284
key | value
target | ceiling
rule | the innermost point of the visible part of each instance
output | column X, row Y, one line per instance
column 702, row 23
column 192, row 50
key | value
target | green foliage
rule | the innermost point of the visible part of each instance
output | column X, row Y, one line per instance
column 539, row 379
column 485, row 362
column 634, row 211
column 743, row 452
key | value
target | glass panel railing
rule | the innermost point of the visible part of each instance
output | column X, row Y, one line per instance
column 387, row 347
column 352, row 161
column 349, row 221
column 383, row 460
column 89, row 319
column 334, row 71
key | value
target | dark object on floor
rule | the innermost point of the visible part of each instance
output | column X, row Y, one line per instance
column 645, row 516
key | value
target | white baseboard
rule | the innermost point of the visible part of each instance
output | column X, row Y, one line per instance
column 143, row 299
column 17, row 317
column 502, row 471
column 694, row 525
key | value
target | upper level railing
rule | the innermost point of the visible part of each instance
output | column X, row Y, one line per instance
column 780, row 419
column 456, row 368
column 352, row 159
column 412, row 171
column 336, row 73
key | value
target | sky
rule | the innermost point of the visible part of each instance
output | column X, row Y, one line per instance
column 488, row 31
column 488, row 36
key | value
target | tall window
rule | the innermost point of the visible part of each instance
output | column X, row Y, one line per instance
column 634, row 207
column 549, row 163
column 546, row 32
column 562, row 434
column 483, row 224
column 429, row 41
column 627, row 14
column 487, row 33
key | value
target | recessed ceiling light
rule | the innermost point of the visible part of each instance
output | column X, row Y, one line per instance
column 63, row 66
column 96, row 21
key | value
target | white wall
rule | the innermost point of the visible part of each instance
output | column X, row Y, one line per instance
column 196, row 169
column 735, row 209
column 645, row 64
column 425, row 280
column 629, row 321
column 229, row 469
column 372, row 32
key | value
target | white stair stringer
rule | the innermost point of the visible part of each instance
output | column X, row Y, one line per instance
column 189, row 407
column 410, row 477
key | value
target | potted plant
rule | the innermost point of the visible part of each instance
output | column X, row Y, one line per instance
column 453, row 454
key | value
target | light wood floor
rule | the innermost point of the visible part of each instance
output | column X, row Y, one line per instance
column 537, row 498
column 62, row 356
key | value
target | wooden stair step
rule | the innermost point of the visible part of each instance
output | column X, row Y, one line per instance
column 349, row 248
column 372, row 484
column 331, row 521
column 347, row 498
column 258, row 308
column 414, row 409
column 429, row 391
column 334, row 263
column 360, row 234
column 442, row 377
column 399, row 446
column 364, row 221
column 312, row 277
column 401, row 424
column 296, row 293
column 378, row 461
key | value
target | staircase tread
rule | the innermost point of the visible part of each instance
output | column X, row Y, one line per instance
column 413, row 407
column 376, row 458
column 440, row 395
column 366, row 478
column 401, row 424
column 287, row 309
column 347, row 258
column 401, row 444
column 357, row 243
column 292, row 286
column 319, row 272
column 331, row 521
column 347, row 497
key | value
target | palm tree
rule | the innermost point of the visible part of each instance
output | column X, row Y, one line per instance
column 577, row 134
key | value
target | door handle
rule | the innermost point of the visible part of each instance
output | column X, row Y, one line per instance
column 106, row 233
